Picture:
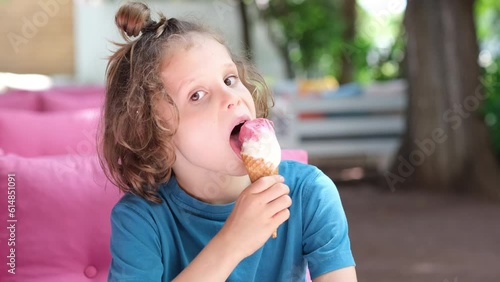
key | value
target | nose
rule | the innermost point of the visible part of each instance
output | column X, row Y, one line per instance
column 230, row 98
column 231, row 105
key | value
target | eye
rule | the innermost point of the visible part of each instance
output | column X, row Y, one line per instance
column 196, row 96
column 230, row 80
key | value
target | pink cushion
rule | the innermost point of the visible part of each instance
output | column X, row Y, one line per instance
column 62, row 207
column 72, row 98
column 297, row 155
column 20, row 100
column 58, row 133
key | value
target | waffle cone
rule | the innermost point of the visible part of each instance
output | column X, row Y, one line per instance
column 257, row 167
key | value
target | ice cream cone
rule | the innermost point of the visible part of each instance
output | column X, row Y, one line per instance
column 257, row 168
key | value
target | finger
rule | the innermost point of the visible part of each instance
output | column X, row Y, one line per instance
column 280, row 217
column 265, row 182
column 275, row 191
column 279, row 204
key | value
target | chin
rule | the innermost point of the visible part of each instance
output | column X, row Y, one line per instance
column 234, row 166
column 242, row 172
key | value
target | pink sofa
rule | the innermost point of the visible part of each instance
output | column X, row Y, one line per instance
column 55, row 200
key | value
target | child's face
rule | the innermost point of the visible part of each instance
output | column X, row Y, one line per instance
column 204, row 83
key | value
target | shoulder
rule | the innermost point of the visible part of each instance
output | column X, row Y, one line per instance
column 310, row 189
column 130, row 201
column 132, row 206
column 305, row 177
column 133, row 212
column 297, row 171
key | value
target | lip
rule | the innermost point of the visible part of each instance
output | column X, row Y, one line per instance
column 234, row 142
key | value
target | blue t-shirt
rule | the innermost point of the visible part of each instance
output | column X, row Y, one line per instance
column 155, row 242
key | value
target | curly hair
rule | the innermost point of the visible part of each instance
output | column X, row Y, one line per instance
column 136, row 151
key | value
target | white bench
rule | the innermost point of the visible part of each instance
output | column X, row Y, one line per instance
column 368, row 125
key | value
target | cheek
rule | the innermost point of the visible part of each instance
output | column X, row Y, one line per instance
column 193, row 133
column 249, row 101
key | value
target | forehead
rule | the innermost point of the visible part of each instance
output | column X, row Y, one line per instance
column 190, row 57
column 195, row 50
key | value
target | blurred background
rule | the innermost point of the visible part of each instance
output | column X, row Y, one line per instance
column 397, row 101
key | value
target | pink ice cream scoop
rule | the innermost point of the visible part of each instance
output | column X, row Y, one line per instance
column 255, row 129
column 259, row 141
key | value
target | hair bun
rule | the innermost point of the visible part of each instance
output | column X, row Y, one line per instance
column 132, row 18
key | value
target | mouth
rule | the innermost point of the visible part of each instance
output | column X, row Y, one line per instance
column 234, row 139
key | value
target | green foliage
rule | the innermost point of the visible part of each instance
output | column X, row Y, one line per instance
column 311, row 33
column 491, row 106
column 487, row 19
column 384, row 35
column 309, row 30
column 487, row 15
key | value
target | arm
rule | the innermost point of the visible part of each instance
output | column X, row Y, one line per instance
column 214, row 263
column 347, row 274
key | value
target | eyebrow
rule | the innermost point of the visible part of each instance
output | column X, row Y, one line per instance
column 226, row 66
column 183, row 84
column 230, row 65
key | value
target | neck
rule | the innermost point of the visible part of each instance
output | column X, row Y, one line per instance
column 210, row 186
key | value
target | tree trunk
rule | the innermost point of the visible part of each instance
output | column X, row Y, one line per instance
column 245, row 29
column 446, row 146
column 349, row 17
column 289, row 71
column 282, row 49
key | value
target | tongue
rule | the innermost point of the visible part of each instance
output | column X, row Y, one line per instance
column 235, row 144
